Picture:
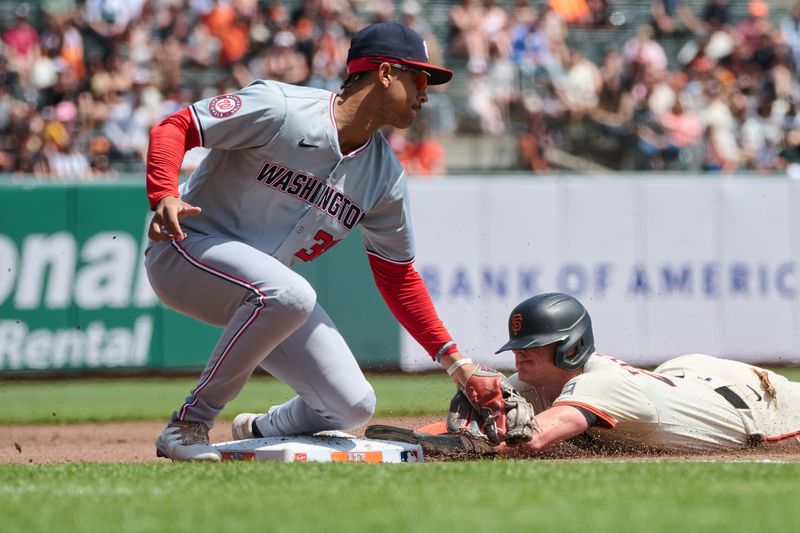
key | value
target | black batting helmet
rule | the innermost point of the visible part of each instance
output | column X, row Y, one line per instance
column 548, row 318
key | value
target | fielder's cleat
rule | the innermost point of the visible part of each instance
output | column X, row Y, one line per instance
column 242, row 427
column 186, row 441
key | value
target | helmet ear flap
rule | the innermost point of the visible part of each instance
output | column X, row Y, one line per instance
column 582, row 340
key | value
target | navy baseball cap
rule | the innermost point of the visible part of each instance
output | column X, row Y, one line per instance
column 392, row 42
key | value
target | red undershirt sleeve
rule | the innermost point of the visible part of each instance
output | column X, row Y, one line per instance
column 407, row 297
column 169, row 141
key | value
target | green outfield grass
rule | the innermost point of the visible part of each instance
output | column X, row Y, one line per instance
column 128, row 399
column 125, row 399
column 499, row 495
column 443, row 497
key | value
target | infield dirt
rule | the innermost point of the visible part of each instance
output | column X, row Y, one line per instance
column 134, row 442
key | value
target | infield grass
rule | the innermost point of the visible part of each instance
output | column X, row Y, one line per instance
column 463, row 497
column 126, row 399
column 507, row 496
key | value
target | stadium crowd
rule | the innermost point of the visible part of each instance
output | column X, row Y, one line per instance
column 83, row 81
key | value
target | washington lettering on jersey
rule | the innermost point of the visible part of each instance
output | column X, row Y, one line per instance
column 311, row 190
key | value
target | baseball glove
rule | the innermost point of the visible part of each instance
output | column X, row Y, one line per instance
column 502, row 414
column 450, row 444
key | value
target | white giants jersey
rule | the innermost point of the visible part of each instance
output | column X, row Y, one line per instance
column 640, row 407
column 692, row 402
column 276, row 178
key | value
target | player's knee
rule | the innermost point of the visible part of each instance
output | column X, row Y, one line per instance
column 298, row 299
column 363, row 411
column 358, row 413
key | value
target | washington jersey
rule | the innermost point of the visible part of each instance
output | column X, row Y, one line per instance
column 276, row 178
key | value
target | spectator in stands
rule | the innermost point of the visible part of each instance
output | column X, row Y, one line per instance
column 126, row 63
column 126, row 127
column 555, row 32
column 654, row 147
column 722, row 149
column 113, row 15
column 684, row 132
column 503, row 80
column 598, row 13
column 466, row 35
column 716, row 14
column 98, row 149
column 495, row 26
column 755, row 35
column 429, row 160
column 535, row 141
column 614, row 110
column 664, row 88
column 671, row 17
column 27, row 130
column 66, row 162
column 643, row 50
column 531, row 46
column 789, row 155
column 482, row 104
column 72, row 48
column 420, row 154
column 329, row 55
column 760, row 138
column 580, row 85
column 573, row 12
column 790, row 31
column 230, row 25
column 714, row 159
column 281, row 61
column 8, row 146
column 21, row 44
column 781, row 78
column 758, row 9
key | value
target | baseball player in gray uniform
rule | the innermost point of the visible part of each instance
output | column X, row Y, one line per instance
column 291, row 171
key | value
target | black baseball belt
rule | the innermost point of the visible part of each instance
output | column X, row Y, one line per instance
column 734, row 399
column 738, row 403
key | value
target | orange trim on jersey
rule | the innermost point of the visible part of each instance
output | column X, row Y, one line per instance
column 609, row 421
column 781, row 438
column 437, row 428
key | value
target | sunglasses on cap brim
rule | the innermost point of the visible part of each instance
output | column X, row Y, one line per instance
column 421, row 77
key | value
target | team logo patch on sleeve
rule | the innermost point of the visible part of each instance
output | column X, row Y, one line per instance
column 224, row 105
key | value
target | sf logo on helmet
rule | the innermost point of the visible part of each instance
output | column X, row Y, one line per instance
column 516, row 323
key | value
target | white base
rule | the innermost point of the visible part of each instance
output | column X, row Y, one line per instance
column 327, row 447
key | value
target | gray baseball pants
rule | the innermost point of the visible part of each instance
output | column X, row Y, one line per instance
column 271, row 319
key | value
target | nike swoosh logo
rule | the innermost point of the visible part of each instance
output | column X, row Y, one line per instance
column 755, row 391
column 304, row 144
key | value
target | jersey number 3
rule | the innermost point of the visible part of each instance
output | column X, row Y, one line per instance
column 324, row 243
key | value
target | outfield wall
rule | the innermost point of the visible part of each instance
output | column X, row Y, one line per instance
column 74, row 293
column 665, row 265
